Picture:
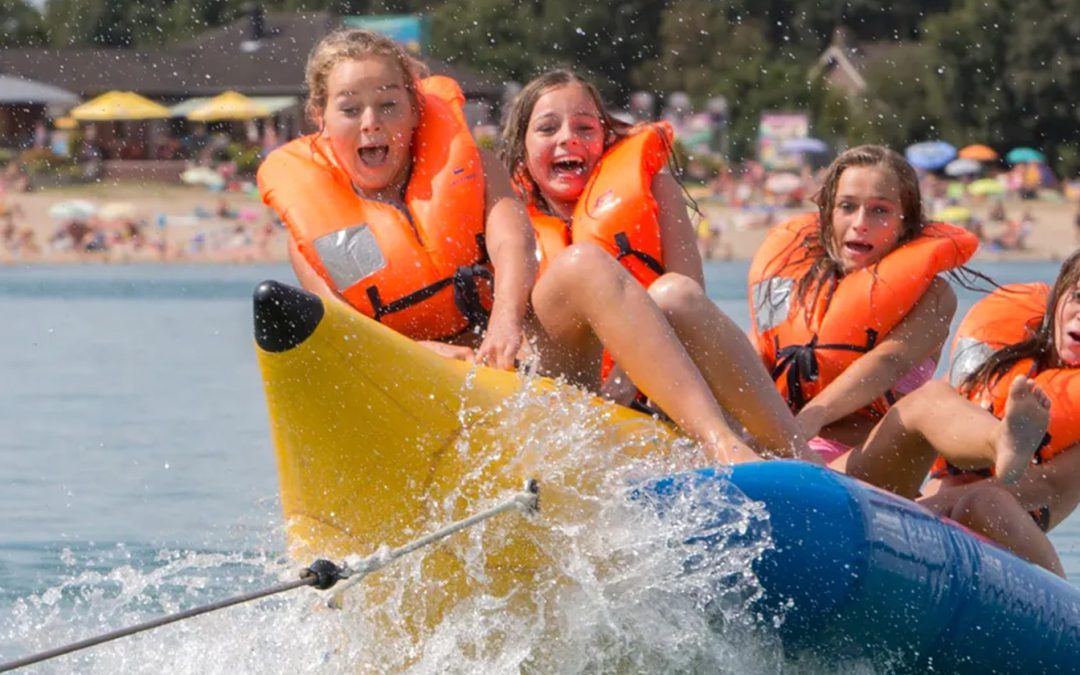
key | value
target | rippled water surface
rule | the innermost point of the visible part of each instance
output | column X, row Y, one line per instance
column 138, row 478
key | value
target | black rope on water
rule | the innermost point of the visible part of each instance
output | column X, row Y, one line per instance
column 322, row 574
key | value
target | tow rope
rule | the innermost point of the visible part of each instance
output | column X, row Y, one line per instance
column 321, row 574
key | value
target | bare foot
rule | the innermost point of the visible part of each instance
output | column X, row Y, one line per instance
column 1027, row 414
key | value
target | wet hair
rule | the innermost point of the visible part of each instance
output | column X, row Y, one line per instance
column 820, row 246
column 1040, row 346
column 347, row 44
column 511, row 148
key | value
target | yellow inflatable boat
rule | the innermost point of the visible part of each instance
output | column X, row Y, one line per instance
column 379, row 440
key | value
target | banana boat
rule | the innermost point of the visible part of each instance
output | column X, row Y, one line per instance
column 379, row 441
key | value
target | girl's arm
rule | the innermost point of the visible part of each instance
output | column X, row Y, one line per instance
column 919, row 336
column 678, row 239
column 511, row 246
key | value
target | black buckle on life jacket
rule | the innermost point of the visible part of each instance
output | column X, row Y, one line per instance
column 800, row 363
column 466, row 292
column 623, row 242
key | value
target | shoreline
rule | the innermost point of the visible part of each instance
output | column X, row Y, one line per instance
column 1052, row 237
column 181, row 224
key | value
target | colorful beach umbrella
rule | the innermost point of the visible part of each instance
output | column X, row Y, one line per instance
column 963, row 167
column 1021, row 155
column 930, row 155
column 953, row 214
column 986, row 186
column 979, row 153
column 808, row 145
column 119, row 105
column 230, row 105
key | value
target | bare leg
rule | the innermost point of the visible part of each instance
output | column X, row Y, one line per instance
column 936, row 419
column 730, row 364
column 991, row 511
column 586, row 298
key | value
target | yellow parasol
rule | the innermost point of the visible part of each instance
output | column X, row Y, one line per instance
column 230, row 105
column 953, row 214
column 119, row 105
column 986, row 186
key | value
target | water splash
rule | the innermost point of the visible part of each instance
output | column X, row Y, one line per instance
column 622, row 580
column 626, row 584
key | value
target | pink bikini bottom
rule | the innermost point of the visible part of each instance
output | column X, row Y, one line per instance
column 829, row 449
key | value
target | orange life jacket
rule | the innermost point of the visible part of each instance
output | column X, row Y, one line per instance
column 807, row 345
column 421, row 270
column 1008, row 316
column 617, row 210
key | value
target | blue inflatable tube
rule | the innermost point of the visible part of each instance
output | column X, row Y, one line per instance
column 859, row 573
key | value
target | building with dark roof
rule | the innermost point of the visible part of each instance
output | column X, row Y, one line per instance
column 255, row 55
column 844, row 62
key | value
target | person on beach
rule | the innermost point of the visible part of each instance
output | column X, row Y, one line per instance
column 598, row 196
column 392, row 208
column 847, row 309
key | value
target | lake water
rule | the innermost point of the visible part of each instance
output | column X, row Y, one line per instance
column 135, row 455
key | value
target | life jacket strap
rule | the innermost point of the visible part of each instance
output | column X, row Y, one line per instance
column 799, row 363
column 466, row 292
column 623, row 242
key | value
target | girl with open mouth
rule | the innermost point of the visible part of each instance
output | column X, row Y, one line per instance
column 606, row 213
column 393, row 208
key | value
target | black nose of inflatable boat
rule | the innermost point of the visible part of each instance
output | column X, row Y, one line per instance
column 284, row 316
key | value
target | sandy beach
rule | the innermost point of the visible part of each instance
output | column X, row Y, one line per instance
column 1053, row 235
column 173, row 223
column 180, row 223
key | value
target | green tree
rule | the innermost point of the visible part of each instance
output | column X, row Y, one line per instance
column 71, row 23
column 1043, row 57
column 705, row 54
column 840, row 119
column 970, row 47
column 188, row 18
column 113, row 27
column 601, row 41
column 21, row 25
column 517, row 39
column 903, row 100
column 1009, row 72
column 897, row 20
column 495, row 37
